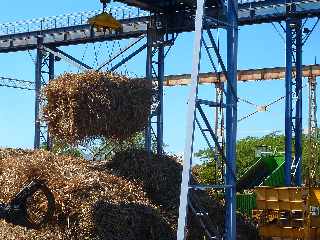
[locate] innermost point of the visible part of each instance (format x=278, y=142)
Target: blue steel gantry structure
x=159, y=22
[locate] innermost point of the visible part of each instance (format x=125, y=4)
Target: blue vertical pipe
x=231, y=119
x=298, y=117
x=38, y=67
x=148, y=140
x=160, y=96
x=288, y=105
x=51, y=77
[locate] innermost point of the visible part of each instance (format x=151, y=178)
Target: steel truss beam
x=263, y=74
x=293, y=85
x=227, y=181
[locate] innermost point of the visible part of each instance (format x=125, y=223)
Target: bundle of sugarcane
x=90, y=203
x=96, y=104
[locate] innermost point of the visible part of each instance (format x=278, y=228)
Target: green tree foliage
x=246, y=154
x=246, y=149
x=101, y=148
x=65, y=149
x=106, y=148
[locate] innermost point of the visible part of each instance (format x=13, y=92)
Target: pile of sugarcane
x=91, y=203
x=96, y=104
x=161, y=179
x=130, y=197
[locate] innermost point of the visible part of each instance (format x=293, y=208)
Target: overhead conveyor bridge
x=73, y=29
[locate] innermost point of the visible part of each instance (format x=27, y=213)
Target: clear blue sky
x=259, y=46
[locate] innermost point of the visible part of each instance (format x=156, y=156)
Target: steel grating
x=163, y=5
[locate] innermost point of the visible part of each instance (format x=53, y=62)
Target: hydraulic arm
x=25, y=211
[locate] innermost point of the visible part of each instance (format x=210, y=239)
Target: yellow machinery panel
x=315, y=196
x=286, y=212
x=270, y=231
x=281, y=198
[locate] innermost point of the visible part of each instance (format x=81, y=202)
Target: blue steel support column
x=231, y=119
x=51, y=66
x=298, y=118
x=147, y=143
x=160, y=96
x=288, y=105
x=51, y=77
x=38, y=67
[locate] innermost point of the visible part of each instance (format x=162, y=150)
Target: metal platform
x=166, y=5
x=276, y=10
x=71, y=35
x=72, y=29
x=69, y=29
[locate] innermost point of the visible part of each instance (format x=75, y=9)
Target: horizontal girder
x=263, y=74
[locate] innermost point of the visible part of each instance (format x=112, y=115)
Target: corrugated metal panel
x=246, y=203
x=276, y=178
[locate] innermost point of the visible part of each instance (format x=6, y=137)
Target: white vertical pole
x=188, y=151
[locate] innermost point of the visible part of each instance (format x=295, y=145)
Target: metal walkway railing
x=67, y=20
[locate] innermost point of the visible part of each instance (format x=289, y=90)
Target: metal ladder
x=203, y=24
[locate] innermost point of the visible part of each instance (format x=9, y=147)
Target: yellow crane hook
x=104, y=20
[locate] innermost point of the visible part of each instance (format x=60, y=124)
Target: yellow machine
x=288, y=212
x=294, y=212
x=104, y=20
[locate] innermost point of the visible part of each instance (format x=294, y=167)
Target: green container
x=274, y=165
x=257, y=173
x=246, y=203
x=276, y=178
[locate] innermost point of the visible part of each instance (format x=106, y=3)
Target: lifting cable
x=125, y=64
x=110, y=54
x=261, y=108
x=84, y=52
x=30, y=54
x=32, y=58
x=95, y=54
x=83, y=55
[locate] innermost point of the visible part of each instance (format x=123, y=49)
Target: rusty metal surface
x=263, y=74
